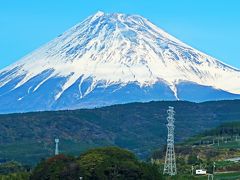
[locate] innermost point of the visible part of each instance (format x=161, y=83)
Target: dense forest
x=140, y=127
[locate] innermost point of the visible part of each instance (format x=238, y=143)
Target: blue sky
x=211, y=26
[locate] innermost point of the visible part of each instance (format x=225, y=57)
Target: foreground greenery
x=100, y=163
x=116, y=163
x=16, y=176
x=13, y=171
x=29, y=137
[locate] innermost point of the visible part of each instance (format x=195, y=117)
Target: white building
x=201, y=172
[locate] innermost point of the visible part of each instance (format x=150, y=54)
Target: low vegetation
x=13, y=171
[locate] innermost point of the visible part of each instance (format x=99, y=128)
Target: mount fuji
x=113, y=59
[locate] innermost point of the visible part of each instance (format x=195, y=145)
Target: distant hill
x=139, y=127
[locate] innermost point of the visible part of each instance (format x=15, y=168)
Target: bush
x=59, y=167
x=15, y=176
x=11, y=167
x=192, y=159
x=99, y=163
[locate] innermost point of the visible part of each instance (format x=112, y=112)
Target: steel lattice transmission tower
x=170, y=160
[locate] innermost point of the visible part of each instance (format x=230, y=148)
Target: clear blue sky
x=212, y=26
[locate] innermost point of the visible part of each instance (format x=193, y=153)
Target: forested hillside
x=139, y=127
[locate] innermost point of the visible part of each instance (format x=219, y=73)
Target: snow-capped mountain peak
x=116, y=50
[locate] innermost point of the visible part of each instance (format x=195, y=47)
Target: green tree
x=15, y=176
x=192, y=159
x=115, y=163
x=59, y=167
x=100, y=163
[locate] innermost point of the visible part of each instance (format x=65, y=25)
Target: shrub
x=100, y=163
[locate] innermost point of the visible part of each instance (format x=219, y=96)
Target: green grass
x=218, y=176
x=228, y=176
x=230, y=144
x=221, y=164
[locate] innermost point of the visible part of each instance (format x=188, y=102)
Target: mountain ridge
x=109, y=56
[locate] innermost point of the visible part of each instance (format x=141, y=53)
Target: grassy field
x=218, y=176
x=230, y=144
x=222, y=176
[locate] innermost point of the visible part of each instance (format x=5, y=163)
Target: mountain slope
x=109, y=59
x=140, y=127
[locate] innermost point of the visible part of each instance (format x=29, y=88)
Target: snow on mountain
x=113, y=58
